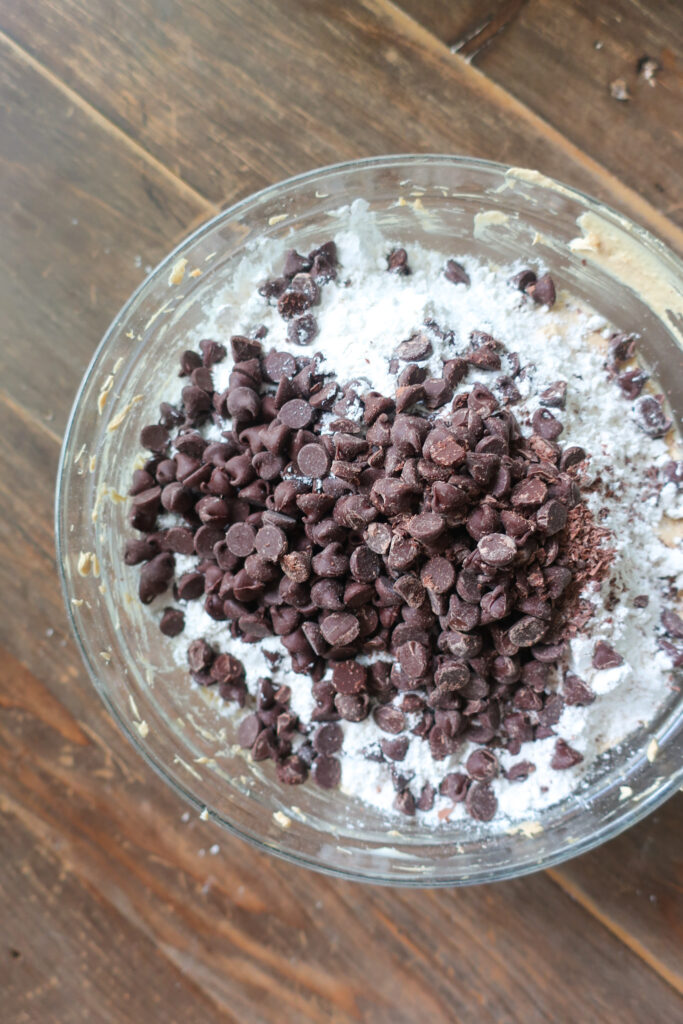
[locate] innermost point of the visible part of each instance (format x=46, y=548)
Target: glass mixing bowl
x=454, y=204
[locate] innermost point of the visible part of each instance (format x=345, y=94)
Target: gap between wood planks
x=630, y=941
x=406, y=25
x=649, y=215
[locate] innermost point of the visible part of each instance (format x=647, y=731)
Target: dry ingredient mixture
x=404, y=517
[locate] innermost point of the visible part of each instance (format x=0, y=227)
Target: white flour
x=362, y=318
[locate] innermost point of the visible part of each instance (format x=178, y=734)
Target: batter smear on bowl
x=406, y=517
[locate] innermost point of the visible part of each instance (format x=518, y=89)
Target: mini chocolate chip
x=527, y=631
x=497, y=549
x=292, y=771
x=313, y=461
x=632, y=382
x=523, y=279
x=172, y=622
x=564, y=756
x=426, y=798
x=576, y=692
x=154, y=437
x=340, y=629
x=438, y=575
x=454, y=786
x=605, y=656
x=248, y=730
x=240, y=539
x=327, y=771
x=482, y=765
x=426, y=527
x=155, y=576
x=199, y=656
x=672, y=623
x=328, y=739
x=389, y=718
x=542, y=291
x=352, y=708
x=519, y=771
x=555, y=395
x=415, y=349
x=271, y=543
x=296, y=414
x=481, y=801
x=302, y=330
x=397, y=262
x=279, y=364
x=404, y=801
x=190, y=586
x=622, y=347
x=395, y=749
x=650, y=416
x=349, y=677
x=571, y=457
x=545, y=424
x=455, y=273
x=364, y=564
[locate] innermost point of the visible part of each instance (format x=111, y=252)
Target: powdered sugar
x=362, y=318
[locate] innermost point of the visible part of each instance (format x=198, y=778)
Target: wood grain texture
x=116, y=905
x=77, y=232
x=265, y=940
x=559, y=60
x=231, y=116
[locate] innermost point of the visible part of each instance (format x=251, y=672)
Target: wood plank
x=466, y=26
x=634, y=885
x=560, y=58
x=251, y=930
x=69, y=956
x=85, y=213
x=266, y=940
x=231, y=116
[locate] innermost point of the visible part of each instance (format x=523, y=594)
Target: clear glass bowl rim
x=635, y=812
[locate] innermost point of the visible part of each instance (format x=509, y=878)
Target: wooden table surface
x=124, y=124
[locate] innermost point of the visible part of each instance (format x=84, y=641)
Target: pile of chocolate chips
x=429, y=528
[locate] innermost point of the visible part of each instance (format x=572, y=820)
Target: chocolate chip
x=353, y=708
x=672, y=623
x=455, y=273
x=328, y=739
x=395, y=749
x=527, y=631
x=248, y=730
x=426, y=798
x=415, y=349
x=199, y=656
x=389, y=718
x=622, y=347
x=172, y=622
x=349, y=677
x=576, y=692
x=605, y=656
x=632, y=382
x=519, y=771
x=481, y=801
x=240, y=539
x=555, y=395
x=497, y=549
x=154, y=437
x=454, y=786
x=327, y=771
x=564, y=756
x=155, y=576
x=545, y=424
x=313, y=461
x=292, y=771
x=404, y=801
x=397, y=262
x=542, y=291
x=426, y=527
x=438, y=575
x=482, y=765
x=571, y=456
x=650, y=416
x=340, y=629
x=279, y=364
x=414, y=659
